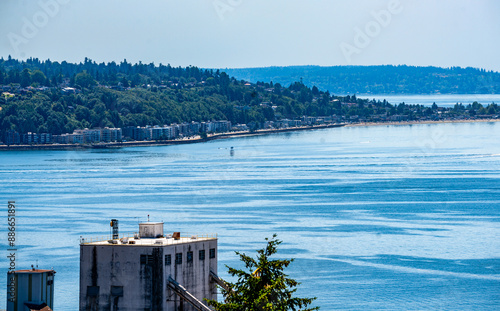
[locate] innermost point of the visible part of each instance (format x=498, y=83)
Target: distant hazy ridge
x=343, y=80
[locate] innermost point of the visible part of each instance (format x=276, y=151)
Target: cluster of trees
x=158, y=95
x=475, y=109
x=380, y=79
x=25, y=78
x=34, y=72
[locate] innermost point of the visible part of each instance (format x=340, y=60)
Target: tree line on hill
x=124, y=94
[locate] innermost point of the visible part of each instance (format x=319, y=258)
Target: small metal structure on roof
x=151, y=230
x=114, y=224
x=30, y=288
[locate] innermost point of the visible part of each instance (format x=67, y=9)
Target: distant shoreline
x=418, y=122
x=220, y=136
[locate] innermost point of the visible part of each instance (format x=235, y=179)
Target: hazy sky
x=253, y=33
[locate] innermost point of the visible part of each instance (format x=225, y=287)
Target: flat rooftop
x=32, y=271
x=131, y=241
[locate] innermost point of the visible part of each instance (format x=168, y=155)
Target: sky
x=255, y=33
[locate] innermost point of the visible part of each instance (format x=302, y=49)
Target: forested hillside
x=57, y=98
x=343, y=80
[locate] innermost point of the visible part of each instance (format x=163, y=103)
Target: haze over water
x=383, y=217
x=442, y=100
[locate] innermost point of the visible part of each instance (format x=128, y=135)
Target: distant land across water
x=442, y=100
x=387, y=79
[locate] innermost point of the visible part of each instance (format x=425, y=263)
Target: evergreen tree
x=264, y=287
x=125, y=82
x=25, y=78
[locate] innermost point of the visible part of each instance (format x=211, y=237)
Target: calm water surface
x=384, y=217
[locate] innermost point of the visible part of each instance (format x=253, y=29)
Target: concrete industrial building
x=149, y=271
x=31, y=289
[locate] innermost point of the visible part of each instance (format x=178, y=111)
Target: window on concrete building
x=168, y=260
x=92, y=291
x=146, y=259
x=212, y=253
x=189, y=257
x=202, y=254
x=178, y=258
x=117, y=291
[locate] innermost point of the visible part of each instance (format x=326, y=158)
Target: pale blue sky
x=252, y=33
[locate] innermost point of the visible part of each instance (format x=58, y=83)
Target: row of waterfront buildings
x=97, y=135
x=145, y=133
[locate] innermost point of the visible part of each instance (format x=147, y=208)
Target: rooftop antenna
x=114, y=225
x=37, y=263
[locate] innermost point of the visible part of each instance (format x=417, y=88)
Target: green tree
x=84, y=80
x=491, y=109
x=82, y=113
x=38, y=77
x=264, y=287
x=25, y=77
x=125, y=82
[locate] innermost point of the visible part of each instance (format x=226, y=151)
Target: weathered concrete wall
x=194, y=275
x=115, y=267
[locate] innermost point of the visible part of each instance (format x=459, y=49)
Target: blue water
x=386, y=217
